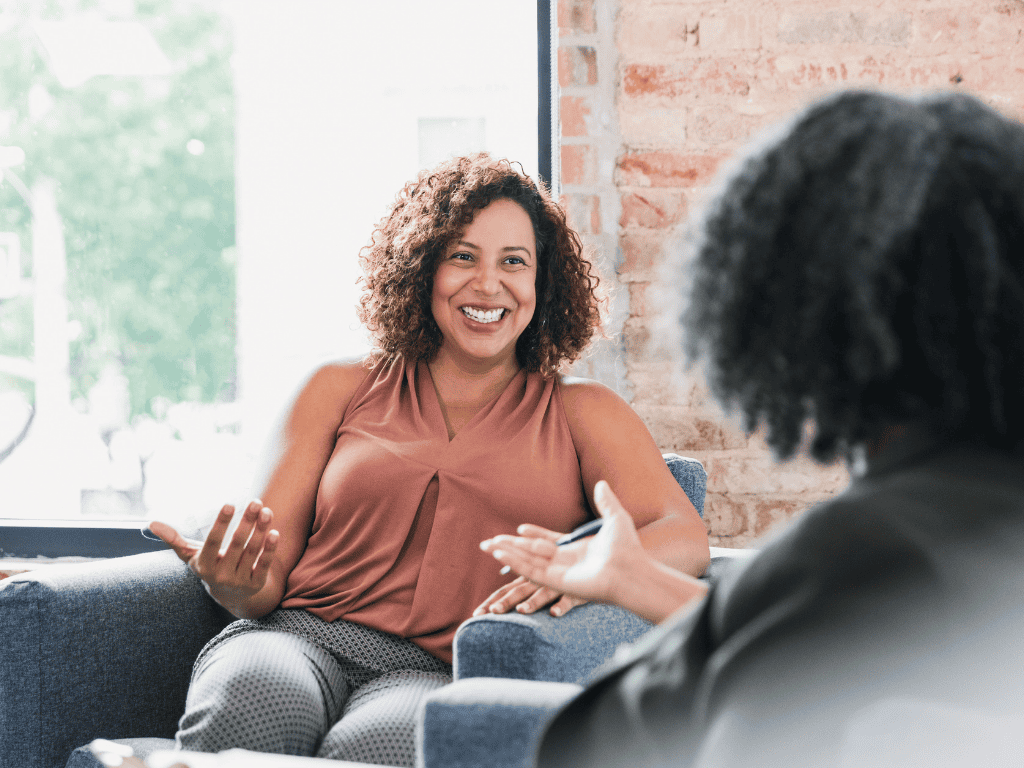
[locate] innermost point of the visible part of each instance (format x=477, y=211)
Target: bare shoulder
x=331, y=386
x=584, y=395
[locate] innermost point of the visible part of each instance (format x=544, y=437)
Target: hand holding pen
x=585, y=562
x=587, y=529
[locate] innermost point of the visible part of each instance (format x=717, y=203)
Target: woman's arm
x=611, y=567
x=249, y=576
x=613, y=444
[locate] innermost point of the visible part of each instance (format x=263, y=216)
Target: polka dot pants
x=291, y=683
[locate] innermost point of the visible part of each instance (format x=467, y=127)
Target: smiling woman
x=484, y=292
x=361, y=557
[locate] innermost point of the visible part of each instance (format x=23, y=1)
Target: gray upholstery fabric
x=105, y=650
x=506, y=715
x=539, y=646
x=691, y=476
x=97, y=650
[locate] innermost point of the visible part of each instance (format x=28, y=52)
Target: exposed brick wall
x=655, y=94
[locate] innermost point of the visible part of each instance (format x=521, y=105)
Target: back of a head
x=865, y=267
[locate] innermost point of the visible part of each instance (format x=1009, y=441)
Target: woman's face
x=485, y=291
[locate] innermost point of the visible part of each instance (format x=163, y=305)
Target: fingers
x=519, y=590
x=256, y=540
x=259, y=573
x=541, y=597
x=182, y=547
x=211, y=547
x=607, y=502
x=565, y=604
x=497, y=595
x=247, y=526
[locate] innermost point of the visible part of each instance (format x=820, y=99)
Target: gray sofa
x=105, y=650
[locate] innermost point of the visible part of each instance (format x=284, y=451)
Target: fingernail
x=601, y=491
x=505, y=570
x=264, y=515
x=521, y=529
x=484, y=544
x=556, y=611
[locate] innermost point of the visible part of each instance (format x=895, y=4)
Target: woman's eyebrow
x=466, y=244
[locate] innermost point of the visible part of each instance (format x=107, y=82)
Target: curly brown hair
x=432, y=212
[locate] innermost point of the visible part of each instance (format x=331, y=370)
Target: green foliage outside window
x=148, y=217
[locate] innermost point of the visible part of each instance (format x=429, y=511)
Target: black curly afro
x=864, y=269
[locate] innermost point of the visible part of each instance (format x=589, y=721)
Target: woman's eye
x=515, y=260
x=462, y=256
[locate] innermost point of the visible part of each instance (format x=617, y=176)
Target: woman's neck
x=460, y=383
x=463, y=390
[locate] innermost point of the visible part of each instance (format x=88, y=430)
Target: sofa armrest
x=539, y=646
x=97, y=650
x=487, y=723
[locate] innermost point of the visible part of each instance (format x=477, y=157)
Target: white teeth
x=481, y=316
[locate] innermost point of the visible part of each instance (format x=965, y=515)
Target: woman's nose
x=487, y=281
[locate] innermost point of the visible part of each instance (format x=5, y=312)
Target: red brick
x=769, y=514
x=990, y=75
x=844, y=27
x=576, y=16
x=759, y=474
x=735, y=32
x=898, y=71
x=579, y=164
x=573, y=112
x=940, y=31
x=725, y=516
x=652, y=208
x=641, y=252
x=685, y=430
x=583, y=213
x=646, y=125
x=721, y=124
x=577, y=65
x=666, y=169
x=702, y=77
x=664, y=382
x=635, y=338
x=657, y=32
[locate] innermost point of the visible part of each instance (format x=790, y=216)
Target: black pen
x=587, y=529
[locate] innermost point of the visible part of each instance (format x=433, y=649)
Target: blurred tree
x=145, y=174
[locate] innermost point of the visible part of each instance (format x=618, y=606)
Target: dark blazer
x=891, y=615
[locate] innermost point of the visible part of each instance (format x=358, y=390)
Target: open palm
x=587, y=568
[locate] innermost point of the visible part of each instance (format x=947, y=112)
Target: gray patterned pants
x=291, y=683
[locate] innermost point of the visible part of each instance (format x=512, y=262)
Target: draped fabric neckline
x=438, y=406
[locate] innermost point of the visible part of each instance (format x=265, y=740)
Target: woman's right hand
x=235, y=574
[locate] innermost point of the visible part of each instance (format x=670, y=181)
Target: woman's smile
x=484, y=293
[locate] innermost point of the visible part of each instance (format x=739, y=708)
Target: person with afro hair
x=855, y=287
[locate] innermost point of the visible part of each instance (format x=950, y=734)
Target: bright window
x=187, y=186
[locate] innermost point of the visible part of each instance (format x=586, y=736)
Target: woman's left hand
x=525, y=596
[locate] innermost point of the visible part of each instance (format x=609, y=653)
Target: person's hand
x=239, y=571
x=588, y=568
x=524, y=595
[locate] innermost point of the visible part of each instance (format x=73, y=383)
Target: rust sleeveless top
x=401, y=509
